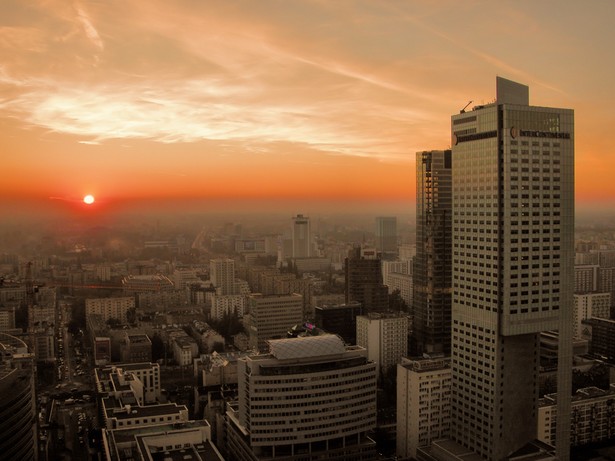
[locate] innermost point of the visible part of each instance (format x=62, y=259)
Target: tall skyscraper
x=302, y=237
x=513, y=268
x=386, y=235
x=432, y=264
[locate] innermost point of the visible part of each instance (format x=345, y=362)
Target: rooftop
x=306, y=346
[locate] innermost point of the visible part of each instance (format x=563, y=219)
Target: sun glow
x=88, y=199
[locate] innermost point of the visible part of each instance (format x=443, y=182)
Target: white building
x=512, y=269
x=592, y=416
x=385, y=336
x=109, y=308
x=184, y=277
x=311, y=397
x=587, y=306
x=148, y=374
x=423, y=403
x=222, y=305
x=403, y=283
x=222, y=275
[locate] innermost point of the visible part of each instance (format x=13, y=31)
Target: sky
x=194, y=101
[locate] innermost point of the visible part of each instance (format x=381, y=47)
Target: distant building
x=301, y=237
x=402, y=283
x=147, y=283
x=386, y=236
x=110, y=308
x=310, y=398
x=601, y=337
x=270, y=317
x=385, y=336
x=364, y=280
x=7, y=318
x=587, y=306
x=423, y=403
x=222, y=275
x=222, y=305
x=586, y=278
x=147, y=374
x=136, y=348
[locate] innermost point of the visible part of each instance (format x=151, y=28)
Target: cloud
x=88, y=27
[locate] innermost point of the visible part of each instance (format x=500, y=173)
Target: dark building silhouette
x=364, y=280
x=432, y=264
x=340, y=319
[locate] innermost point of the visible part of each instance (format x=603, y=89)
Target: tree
x=114, y=323
x=131, y=315
x=158, y=348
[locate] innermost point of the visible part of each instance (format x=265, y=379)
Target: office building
x=586, y=278
x=431, y=275
x=145, y=378
x=17, y=403
x=340, y=319
x=423, y=403
x=110, y=308
x=301, y=237
x=309, y=398
x=271, y=317
x=587, y=306
x=386, y=236
x=222, y=275
x=592, y=416
x=513, y=268
x=385, y=336
x=601, y=334
x=136, y=348
x=364, y=280
x=222, y=305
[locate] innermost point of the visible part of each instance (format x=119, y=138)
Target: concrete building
x=431, y=275
x=222, y=305
x=592, y=416
x=587, y=306
x=182, y=278
x=404, y=283
x=222, y=275
x=601, y=334
x=394, y=267
x=423, y=403
x=136, y=348
x=17, y=404
x=302, y=237
x=586, y=278
x=385, y=336
x=310, y=398
x=133, y=284
x=7, y=318
x=271, y=317
x=513, y=268
x=109, y=308
x=148, y=375
x=386, y=236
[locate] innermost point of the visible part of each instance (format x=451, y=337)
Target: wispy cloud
x=88, y=27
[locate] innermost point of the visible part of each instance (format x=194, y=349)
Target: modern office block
x=513, y=268
x=432, y=264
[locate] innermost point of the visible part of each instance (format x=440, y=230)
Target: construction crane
x=462, y=111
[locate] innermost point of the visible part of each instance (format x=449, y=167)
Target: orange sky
x=295, y=100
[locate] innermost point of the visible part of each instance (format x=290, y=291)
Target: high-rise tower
x=302, y=237
x=432, y=264
x=386, y=236
x=513, y=263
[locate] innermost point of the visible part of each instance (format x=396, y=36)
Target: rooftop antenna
x=462, y=111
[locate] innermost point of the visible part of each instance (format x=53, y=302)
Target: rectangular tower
x=513, y=267
x=302, y=238
x=432, y=264
x=386, y=235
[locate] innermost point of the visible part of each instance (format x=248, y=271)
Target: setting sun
x=88, y=199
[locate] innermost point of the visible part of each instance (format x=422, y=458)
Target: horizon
x=306, y=103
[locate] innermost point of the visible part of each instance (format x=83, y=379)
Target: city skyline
x=293, y=103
